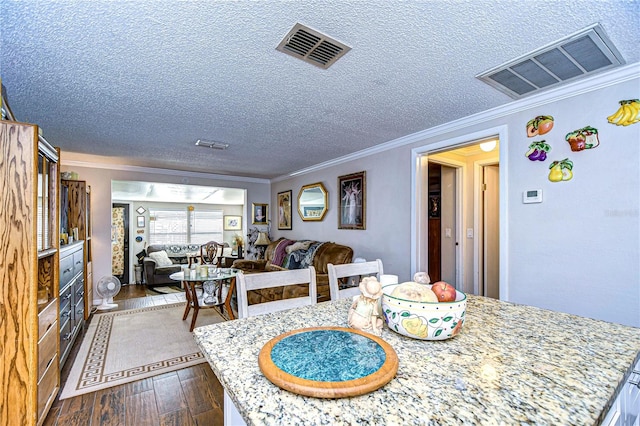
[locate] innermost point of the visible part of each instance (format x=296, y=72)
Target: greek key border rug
x=125, y=346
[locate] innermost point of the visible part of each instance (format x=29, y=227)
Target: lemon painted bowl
x=423, y=320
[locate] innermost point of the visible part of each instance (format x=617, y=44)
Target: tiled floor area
x=192, y=396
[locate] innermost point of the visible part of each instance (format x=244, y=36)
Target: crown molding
x=590, y=84
x=168, y=172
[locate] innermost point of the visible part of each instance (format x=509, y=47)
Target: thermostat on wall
x=532, y=196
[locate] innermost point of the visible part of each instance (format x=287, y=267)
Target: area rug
x=125, y=346
x=154, y=291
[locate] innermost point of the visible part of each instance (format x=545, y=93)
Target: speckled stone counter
x=511, y=364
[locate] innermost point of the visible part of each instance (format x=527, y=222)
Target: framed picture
x=284, y=210
x=232, y=223
x=259, y=213
x=352, y=199
x=140, y=221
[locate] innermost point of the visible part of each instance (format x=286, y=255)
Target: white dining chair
x=348, y=270
x=248, y=282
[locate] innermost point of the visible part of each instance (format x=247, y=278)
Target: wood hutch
x=76, y=214
x=29, y=328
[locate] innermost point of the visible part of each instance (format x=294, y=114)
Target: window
x=181, y=226
x=206, y=226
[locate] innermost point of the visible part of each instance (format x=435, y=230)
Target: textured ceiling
x=141, y=81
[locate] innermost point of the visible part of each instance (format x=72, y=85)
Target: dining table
x=211, y=293
x=510, y=364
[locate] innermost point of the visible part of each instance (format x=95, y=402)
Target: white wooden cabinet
x=626, y=408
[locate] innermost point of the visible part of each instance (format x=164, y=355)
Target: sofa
x=156, y=271
x=283, y=254
x=158, y=267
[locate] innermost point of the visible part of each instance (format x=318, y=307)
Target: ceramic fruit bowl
x=423, y=320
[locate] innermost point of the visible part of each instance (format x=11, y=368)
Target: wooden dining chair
x=248, y=282
x=210, y=253
x=348, y=270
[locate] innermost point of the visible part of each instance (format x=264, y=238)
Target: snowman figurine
x=364, y=314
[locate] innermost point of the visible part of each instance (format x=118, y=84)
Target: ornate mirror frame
x=313, y=202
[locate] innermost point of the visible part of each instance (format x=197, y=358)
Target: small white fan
x=108, y=286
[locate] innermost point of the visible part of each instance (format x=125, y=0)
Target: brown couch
x=285, y=254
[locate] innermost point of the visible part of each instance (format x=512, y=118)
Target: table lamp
x=261, y=243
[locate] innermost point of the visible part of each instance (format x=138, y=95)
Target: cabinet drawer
x=47, y=317
x=78, y=311
x=65, y=338
x=48, y=386
x=65, y=300
x=47, y=348
x=66, y=270
x=78, y=288
x=78, y=261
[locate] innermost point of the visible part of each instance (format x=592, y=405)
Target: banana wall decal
x=628, y=113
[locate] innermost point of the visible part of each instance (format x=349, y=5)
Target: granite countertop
x=510, y=364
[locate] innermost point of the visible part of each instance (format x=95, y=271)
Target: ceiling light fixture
x=488, y=146
x=212, y=144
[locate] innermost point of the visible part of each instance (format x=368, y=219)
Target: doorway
x=120, y=242
x=443, y=219
x=476, y=231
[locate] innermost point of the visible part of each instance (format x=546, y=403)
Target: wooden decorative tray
x=328, y=362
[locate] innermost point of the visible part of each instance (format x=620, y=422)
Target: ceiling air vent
x=212, y=144
x=312, y=46
x=584, y=53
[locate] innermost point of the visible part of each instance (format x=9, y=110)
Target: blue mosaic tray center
x=328, y=355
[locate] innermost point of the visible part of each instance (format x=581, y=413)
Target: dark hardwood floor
x=191, y=396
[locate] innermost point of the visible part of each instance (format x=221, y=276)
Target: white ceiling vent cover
x=587, y=52
x=212, y=144
x=312, y=46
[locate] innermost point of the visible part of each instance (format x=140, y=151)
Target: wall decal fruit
x=561, y=170
x=539, y=126
x=585, y=138
x=628, y=113
x=538, y=151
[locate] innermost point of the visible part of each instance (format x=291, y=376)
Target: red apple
x=444, y=291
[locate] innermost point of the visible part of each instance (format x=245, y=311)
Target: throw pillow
x=300, y=245
x=161, y=258
x=141, y=255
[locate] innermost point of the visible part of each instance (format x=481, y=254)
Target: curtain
x=117, y=245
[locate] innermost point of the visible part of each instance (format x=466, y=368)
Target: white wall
x=577, y=252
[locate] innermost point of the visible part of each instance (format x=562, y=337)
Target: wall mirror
x=313, y=202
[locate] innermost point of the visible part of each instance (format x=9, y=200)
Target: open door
x=443, y=213
x=491, y=231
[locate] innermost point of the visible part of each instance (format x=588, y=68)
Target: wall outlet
x=470, y=233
